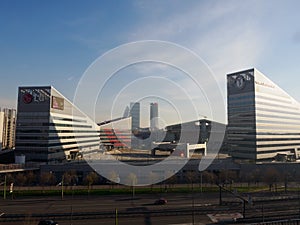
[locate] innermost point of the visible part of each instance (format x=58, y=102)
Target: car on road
x=160, y=201
x=47, y=222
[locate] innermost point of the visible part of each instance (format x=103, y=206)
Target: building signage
x=264, y=84
x=57, y=103
x=33, y=95
x=27, y=98
x=240, y=82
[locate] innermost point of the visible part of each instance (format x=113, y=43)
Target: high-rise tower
x=154, y=116
x=135, y=123
x=135, y=115
x=7, y=128
x=263, y=120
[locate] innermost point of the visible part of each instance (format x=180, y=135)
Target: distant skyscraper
x=135, y=123
x=135, y=115
x=154, y=116
x=7, y=128
x=1, y=129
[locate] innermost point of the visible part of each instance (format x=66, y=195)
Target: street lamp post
x=201, y=189
x=4, y=188
x=62, y=187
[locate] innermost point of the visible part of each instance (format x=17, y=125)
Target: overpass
x=14, y=168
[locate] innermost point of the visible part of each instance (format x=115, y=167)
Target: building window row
x=262, y=109
x=53, y=138
x=68, y=119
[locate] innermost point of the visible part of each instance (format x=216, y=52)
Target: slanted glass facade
x=50, y=128
x=263, y=120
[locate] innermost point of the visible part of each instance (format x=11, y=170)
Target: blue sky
x=54, y=42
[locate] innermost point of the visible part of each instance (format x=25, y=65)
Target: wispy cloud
x=224, y=35
x=227, y=37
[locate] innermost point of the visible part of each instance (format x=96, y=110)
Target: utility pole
x=220, y=195
x=4, y=188
x=116, y=216
x=237, y=196
x=62, y=187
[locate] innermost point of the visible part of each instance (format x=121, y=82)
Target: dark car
x=161, y=201
x=47, y=222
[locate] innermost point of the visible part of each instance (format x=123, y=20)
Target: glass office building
x=154, y=116
x=263, y=120
x=50, y=128
x=135, y=123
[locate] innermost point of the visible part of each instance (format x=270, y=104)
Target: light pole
x=4, y=188
x=201, y=189
x=62, y=187
x=116, y=216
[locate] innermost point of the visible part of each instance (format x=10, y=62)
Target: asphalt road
x=141, y=210
x=125, y=205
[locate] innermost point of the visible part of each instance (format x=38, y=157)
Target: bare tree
x=70, y=177
x=132, y=179
x=47, y=179
x=20, y=179
x=257, y=176
x=152, y=179
x=10, y=178
x=114, y=178
x=271, y=178
x=192, y=177
x=90, y=179
x=172, y=179
x=31, y=178
x=208, y=177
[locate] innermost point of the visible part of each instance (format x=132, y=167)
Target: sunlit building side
x=135, y=123
x=7, y=128
x=154, y=116
x=263, y=120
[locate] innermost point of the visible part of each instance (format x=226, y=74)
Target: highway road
x=101, y=209
x=141, y=210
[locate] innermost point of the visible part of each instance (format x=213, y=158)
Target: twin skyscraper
x=135, y=113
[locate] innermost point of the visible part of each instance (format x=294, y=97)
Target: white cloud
x=227, y=35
